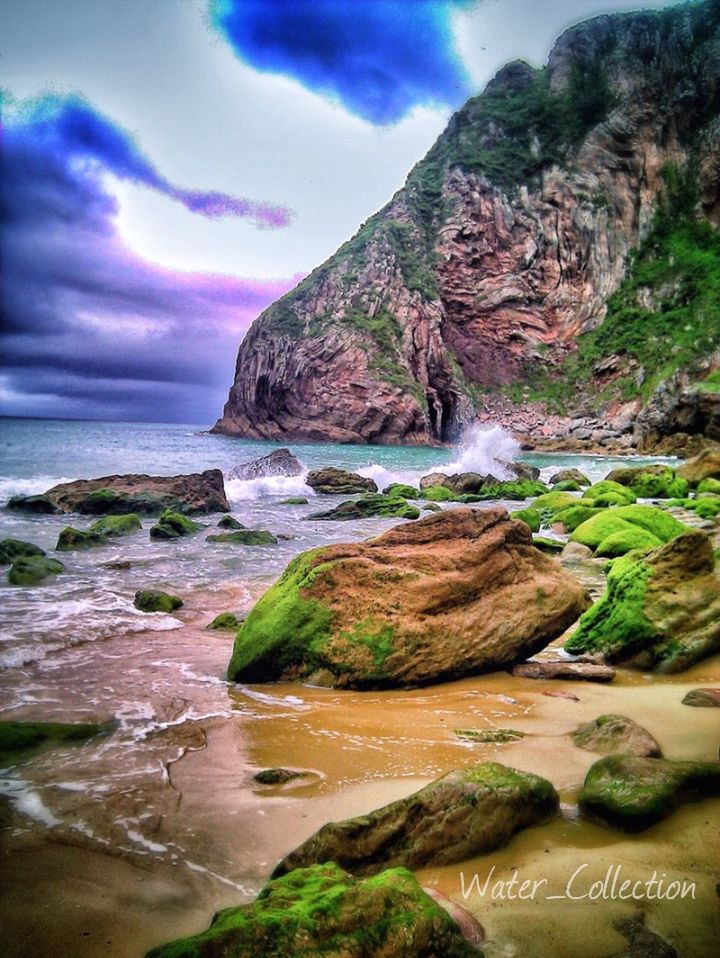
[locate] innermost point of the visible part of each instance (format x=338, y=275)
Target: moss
x=228, y=522
x=401, y=490
x=491, y=735
x=173, y=525
x=245, y=537
x=379, y=637
x=530, y=516
x=153, y=600
x=36, y=505
x=438, y=494
x=607, y=486
x=31, y=570
x=573, y=516
x=71, y=539
x=19, y=737
x=626, y=540
x=226, y=620
x=111, y=502
x=545, y=544
x=566, y=485
x=116, y=526
x=12, y=549
x=284, y=627
x=655, y=521
x=514, y=489
x=709, y=485
x=665, y=486
x=607, y=499
x=370, y=506
x=553, y=502
x=294, y=501
x=706, y=508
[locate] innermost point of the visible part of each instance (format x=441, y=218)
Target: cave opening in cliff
x=442, y=408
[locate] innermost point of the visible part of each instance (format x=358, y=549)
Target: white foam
x=240, y=490
x=27, y=487
x=479, y=449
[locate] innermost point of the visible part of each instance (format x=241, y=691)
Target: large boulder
x=71, y=539
x=324, y=911
x=153, y=600
x=613, y=532
x=632, y=793
x=146, y=495
x=463, y=814
x=704, y=466
x=660, y=612
x=651, y=482
x=279, y=462
x=12, y=549
x=570, y=475
x=31, y=570
x=457, y=593
x=615, y=734
x=339, y=482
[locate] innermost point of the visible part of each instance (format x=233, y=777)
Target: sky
x=168, y=168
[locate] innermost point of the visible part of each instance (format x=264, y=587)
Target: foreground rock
x=153, y=600
x=703, y=698
x=31, y=570
x=279, y=462
x=454, y=594
x=633, y=793
x=12, y=549
x=562, y=669
x=339, y=482
x=461, y=815
x=324, y=911
x=373, y=505
x=146, y=495
x=615, y=734
x=660, y=612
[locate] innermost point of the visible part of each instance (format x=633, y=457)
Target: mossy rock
x=709, y=485
x=31, y=570
x=623, y=519
x=651, y=482
x=632, y=793
x=322, y=910
x=19, y=737
x=431, y=507
x=573, y=516
x=245, y=537
x=626, y=540
x=551, y=546
x=375, y=505
x=153, y=600
x=614, y=735
x=706, y=508
x=706, y=465
x=494, y=736
x=114, y=527
x=607, y=488
x=551, y=503
x=401, y=490
x=173, y=525
x=12, y=549
x=530, y=516
x=278, y=776
x=660, y=611
x=228, y=522
x=38, y=505
x=606, y=500
x=513, y=490
x=294, y=501
x=226, y=620
x=438, y=494
x=71, y=539
x=570, y=475
x=566, y=485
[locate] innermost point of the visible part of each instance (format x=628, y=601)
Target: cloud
x=90, y=328
x=379, y=58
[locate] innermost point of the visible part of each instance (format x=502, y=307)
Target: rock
x=71, y=539
x=278, y=776
x=431, y=507
x=642, y=943
x=114, y=527
x=606, y=493
x=279, y=462
x=35, y=505
x=368, y=506
x=245, y=537
x=560, y=694
x=530, y=516
x=709, y=485
x=704, y=466
x=630, y=527
x=323, y=910
x=471, y=929
x=229, y=522
x=401, y=490
x=521, y=470
x=572, y=475
x=433, y=479
x=495, y=736
x=616, y=734
x=703, y=698
x=551, y=546
x=632, y=793
x=30, y=570
x=459, y=816
x=567, y=485
x=564, y=669
x=226, y=620
x=173, y=525
x=514, y=489
x=294, y=501
x=660, y=612
x=576, y=552
x=438, y=494
x=153, y=600
x=552, y=502
x=145, y=495
x=651, y=482
x=339, y=482
x=121, y=565
x=12, y=549
x=569, y=518
x=20, y=737
x=453, y=594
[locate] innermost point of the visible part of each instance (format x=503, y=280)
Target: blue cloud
x=379, y=58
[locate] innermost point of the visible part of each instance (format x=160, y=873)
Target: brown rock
x=613, y=734
x=562, y=669
x=703, y=698
x=642, y=943
x=704, y=466
x=559, y=694
x=339, y=482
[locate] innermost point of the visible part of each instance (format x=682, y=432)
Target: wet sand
x=138, y=838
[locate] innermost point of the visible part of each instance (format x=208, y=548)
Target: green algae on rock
x=553, y=502
x=12, y=549
x=294, y=501
x=462, y=814
x=245, y=537
x=322, y=910
x=632, y=793
x=570, y=517
x=616, y=734
x=651, y=482
x=530, y=516
x=71, y=539
x=611, y=493
x=19, y=737
x=339, y=482
x=709, y=485
x=625, y=519
x=495, y=736
x=278, y=776
x=660, y=612
x=116, y=526
x=31, y=570
x=566, y=485
x=371, y=505
x=570, y=475
x=226, y=620
x=456, y=593
x=403, y=490
x=551, y=546
x=173, y=525
x=229, y=522
x=153, y=600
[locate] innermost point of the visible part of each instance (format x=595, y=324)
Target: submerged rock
x=226, y=620
x=277, y=776
x=563, y=669
x=494, y=736
x=18, y=737
x=615, y=734
x=173, y=525
x=228, y=522
x=633, y=793
x=153, y=600
x=145, y=495
x=31, y=570
x=339, y=482
x=703, y=698
x=71, y=539
x=245, y=537
x=651, y=482
x=294, y=501
x=372, y=505
x=114, y=527
x=642, y=943
x=660, y=612
x=279, y=462
x=461, y=815
x=12, y=549
x=456, y=593
x=322, y=910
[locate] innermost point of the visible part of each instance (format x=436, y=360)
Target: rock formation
x=491, y=270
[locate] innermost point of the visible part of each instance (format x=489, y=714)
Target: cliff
x=528, y=265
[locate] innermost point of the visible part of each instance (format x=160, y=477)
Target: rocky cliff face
x=502, y=250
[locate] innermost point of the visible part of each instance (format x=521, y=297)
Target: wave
x=12, y=486
x=240, y=490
